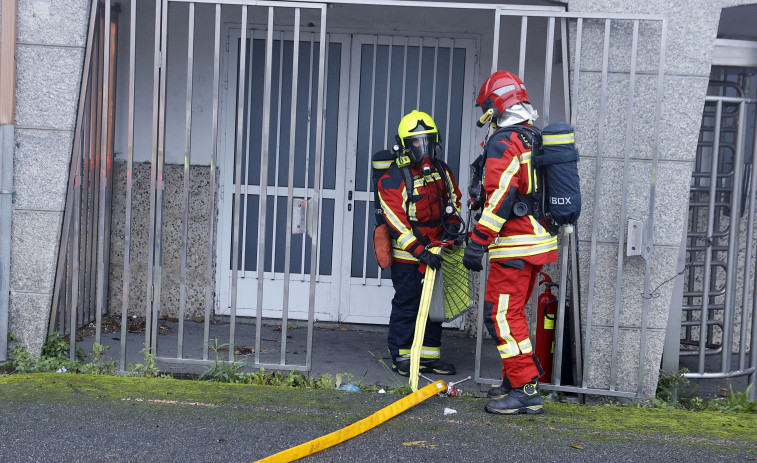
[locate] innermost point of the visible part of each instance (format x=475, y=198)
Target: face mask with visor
x=419, y=146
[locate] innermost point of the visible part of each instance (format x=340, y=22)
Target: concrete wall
x=51, y=41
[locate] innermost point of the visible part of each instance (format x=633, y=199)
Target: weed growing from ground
x=148, y=369
x=55, y=358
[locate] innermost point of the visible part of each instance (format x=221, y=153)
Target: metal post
x=187, y=163
x=290, y=179
x=129, y=178
x=100, y=289
x=238, y=189
x=6, y=208
x=320, y=117
x=212, y=188
x=596, y=211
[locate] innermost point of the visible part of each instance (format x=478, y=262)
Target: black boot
x=523, y=399
x=401, y=365
x=436, y=366
x=498, y=392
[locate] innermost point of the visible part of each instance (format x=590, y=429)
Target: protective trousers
x=408, y=285
x=507, y=290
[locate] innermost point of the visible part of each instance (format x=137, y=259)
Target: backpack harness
x=383, y=160
x=556, y=196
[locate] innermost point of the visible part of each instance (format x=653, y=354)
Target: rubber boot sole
x=529, y=410
x=423, y=369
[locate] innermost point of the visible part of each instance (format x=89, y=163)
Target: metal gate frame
x=313, y=209
x=568, y=237
x=569, y=241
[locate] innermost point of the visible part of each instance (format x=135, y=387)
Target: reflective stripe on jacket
x=425, y=211
x=508, y=170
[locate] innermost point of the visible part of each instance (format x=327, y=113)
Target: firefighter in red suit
x=415, y=220
x=518, y=244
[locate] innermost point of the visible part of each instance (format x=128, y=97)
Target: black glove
x=474, y=252
x=430, y=259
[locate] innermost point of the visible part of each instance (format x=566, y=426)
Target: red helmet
x=500, y=91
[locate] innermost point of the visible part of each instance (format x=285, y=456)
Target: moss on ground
x=602, y=422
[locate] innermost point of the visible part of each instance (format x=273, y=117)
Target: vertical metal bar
x=576, y=306
x=748, y=260
x=238, y=187
x=433, y=81
x=597, y=188
x=262, y=212
x=129, y=185
x=307, y=147
x=523, y=42
x=368, y=164
x=624, y=205
x=245, y=199
x=275, y=221
x=290, y=180
x=482, y=277
x=323, y=147
x=213, y=162
x=650, y=219
x=449, y=98
x=753, y=348
x=560, y=331
x=113, y=44
x=548, y=67
x=320, y=116
x=576, y=71
x=158, y=272
x=84, y=190
x=153, y=181
x=733, y=244
x=187, y=164
x=709, y=239
x=495, y=41
x=386, y=137
x=75, y=300
x=90, y=273
x=420, y=68
x=565, y=70
x=404, y=79
x=100, y=306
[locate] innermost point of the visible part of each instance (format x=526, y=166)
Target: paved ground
x=80, y=418
x=358, y=350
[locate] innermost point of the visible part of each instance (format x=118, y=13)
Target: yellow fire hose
x=420, y=322
x=337, y=437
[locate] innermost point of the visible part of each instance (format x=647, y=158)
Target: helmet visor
x=420, y=146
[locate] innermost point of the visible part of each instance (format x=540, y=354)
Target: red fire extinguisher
x=545, y=327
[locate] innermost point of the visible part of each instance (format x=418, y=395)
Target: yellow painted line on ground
x=337, y=437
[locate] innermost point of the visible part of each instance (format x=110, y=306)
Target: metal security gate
x=275, y=99
x=81, y=284
x=717, y=324
x=599, y=321
x=84, y=255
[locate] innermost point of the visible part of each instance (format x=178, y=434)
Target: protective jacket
x=508, y=175
x=415, y=220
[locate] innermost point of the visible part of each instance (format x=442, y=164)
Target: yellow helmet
x=419, y=136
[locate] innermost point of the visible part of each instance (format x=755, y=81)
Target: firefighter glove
x=430, y=259
x=474, y=253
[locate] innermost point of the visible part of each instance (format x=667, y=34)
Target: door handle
x=349, y=198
